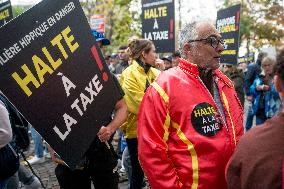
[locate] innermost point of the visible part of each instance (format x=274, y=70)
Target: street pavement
x=46, y=173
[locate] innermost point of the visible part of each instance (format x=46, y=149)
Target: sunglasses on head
x=212, y=40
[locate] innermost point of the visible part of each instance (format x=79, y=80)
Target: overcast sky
x=190, y=9
x=201, y=10
x=205, y=8
x=24, y=2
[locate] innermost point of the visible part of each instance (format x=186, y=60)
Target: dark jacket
x=121, y=66
x=238, y=79
x=253, y=71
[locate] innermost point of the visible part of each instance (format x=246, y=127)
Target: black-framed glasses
x=212, y=40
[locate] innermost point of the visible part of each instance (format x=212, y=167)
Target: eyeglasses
x=212, y=40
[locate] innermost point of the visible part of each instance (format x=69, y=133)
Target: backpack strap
x=4, y=100
x=18, y=124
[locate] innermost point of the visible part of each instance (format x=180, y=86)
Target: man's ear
x=278, y=84
x=186, y=47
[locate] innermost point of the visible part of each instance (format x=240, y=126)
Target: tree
x=17, y=10
x=262, y=22
x=120, y=22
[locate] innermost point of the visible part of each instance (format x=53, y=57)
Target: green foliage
x=120, y=23
x=17, y=10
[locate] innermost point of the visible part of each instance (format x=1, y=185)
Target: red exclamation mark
x=99, y=62
x=237, y=20
x=171, y=29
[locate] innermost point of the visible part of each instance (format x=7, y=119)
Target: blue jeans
x=13, y=181
x=260, y=118
x=123, y=144
x=3, y=183
x=23, y=175
x=118, y=150
x=249, y=117
x=38, y=143
x=137, y=175
x=127, y=164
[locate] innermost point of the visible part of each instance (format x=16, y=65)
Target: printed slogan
x=228, y=24
x=158, y=21
x=55, y=75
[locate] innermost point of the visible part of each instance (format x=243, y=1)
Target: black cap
x=168, y=58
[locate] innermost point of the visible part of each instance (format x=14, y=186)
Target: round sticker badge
x=205, y=121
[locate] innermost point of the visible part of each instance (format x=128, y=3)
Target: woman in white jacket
x=5, y=132
x=5, y=126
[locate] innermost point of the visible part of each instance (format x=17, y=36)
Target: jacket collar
x=188, y=67
x=146, y=67
x=137, y=66
x=140, y=68
x=192, y=69
x=223, y=78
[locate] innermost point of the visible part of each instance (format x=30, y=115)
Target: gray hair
x=269, y=60
x=189, y=32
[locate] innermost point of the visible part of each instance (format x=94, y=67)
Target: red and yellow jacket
x=183, y=140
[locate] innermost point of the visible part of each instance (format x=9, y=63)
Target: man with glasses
x=190, y=119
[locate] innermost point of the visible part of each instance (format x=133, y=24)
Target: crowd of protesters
x=180, y=121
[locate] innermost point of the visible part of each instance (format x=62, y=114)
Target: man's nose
x=220, y=48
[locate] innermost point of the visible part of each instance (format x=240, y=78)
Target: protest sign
x=97, y=23
x=54, y=73
x=248, y=58
x=228, y=24
x=5, y=12
x=158, y=24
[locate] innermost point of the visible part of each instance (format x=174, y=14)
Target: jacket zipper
x=214, y=103
x=197, y=77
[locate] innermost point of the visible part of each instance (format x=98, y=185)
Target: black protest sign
x=248, y=58
x=158, y=24
x=5, y=12
x=53, y=72
x=242, y=60
x=228, y=24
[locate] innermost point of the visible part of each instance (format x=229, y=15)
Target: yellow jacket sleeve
x=133, y=94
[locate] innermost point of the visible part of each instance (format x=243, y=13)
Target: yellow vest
x=133, y=83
